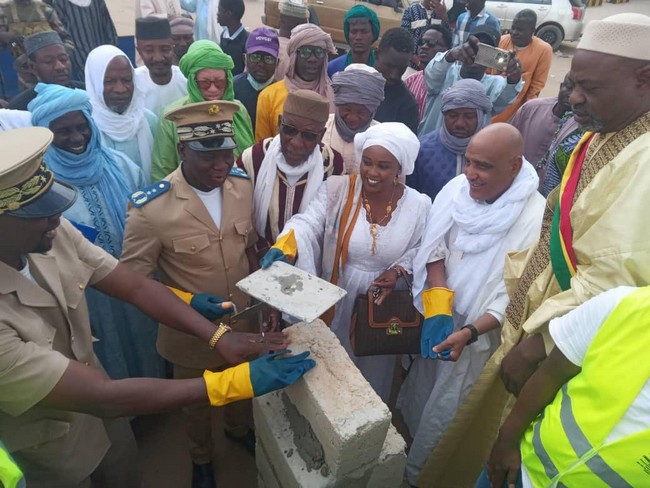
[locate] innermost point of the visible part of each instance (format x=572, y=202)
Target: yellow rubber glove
x=212, y=307
x=186, y=296
x=258, y=377
x=230, y=385
x=438, y=323
x=285, y=249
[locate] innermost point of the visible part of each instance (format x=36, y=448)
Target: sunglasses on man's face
x=305, y=52
x=291, y=131
x=257, y=58
x=431, y=44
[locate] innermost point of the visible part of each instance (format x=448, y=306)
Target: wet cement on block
x=307, y=445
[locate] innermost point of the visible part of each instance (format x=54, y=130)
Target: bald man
x=597, y=238
x=491, y=210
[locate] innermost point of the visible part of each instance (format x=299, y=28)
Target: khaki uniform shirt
x=175, y=234
x=44, y=324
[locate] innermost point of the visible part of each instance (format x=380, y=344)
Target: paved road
x=123, y=13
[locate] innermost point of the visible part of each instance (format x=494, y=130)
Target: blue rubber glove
x=271, y=372
x=272, y=255
x=438, y=323
x=210, y=306
x=285, y=249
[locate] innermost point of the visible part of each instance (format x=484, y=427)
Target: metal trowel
x=292, y=291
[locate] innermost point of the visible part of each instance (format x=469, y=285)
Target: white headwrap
x=266, y=180
x=132, y=124
x=481, y=227
x=14, y=119
x=396, y=138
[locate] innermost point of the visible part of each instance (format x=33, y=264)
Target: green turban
x=361, y=12
x=205, y=54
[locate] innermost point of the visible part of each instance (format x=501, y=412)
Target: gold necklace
x=373, y=225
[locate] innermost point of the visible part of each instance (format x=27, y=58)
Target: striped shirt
x=89, y=27
x=418, y=88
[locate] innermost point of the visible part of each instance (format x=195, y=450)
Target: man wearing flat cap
x=54, y=390
x=288, y=169
x=22, y=18
x=199, y=236
x=48, y=58
x=594, y=237
x=182, y=29
x=159, y=80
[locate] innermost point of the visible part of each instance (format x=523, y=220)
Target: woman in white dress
x=377, y=224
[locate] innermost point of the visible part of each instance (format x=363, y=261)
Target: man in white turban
x=118, y=106
x=475, y=221
x=594, y=237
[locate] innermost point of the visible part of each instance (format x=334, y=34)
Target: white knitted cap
x=625, y=35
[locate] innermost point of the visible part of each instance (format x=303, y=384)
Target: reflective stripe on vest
x=566, y=445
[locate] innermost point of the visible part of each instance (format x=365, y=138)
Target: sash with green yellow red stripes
x=563, y=257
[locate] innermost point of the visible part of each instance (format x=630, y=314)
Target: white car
x=557, y=20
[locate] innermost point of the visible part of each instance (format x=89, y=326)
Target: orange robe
x=535, y=62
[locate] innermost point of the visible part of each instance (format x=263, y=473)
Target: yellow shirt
x=270, y=104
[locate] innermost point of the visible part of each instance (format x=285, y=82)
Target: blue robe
x=127, y=338
x=435, y=166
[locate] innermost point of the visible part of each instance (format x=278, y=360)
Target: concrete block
x=346, y=415
x=280, y=463
x=265, y=474
x=389, y=470
x=280, y=458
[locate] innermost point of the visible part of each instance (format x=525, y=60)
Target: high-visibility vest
x=565, y=447
x=10, y=474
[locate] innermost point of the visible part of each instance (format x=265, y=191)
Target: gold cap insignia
x=214, y=109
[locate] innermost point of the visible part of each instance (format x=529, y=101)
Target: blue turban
x=97, y=165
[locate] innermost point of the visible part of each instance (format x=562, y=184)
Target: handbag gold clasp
x=394, y=329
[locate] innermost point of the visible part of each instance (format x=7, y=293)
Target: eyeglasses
x=305, y=52
x=429, y=43
x=206, y=84
x=291, y=131
x=257, y=58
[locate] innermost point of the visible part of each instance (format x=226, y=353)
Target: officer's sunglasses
x=307, y=51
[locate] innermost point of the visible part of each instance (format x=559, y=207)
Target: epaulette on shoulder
x=239, y=173
x=141, y=197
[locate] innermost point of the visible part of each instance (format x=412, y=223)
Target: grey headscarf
x=465, y=93
x=357, y=84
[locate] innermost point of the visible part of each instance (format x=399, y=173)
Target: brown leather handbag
x=394, y=327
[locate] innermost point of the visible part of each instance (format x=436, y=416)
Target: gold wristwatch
x=218, y=334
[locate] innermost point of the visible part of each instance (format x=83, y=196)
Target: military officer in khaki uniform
x=197, y=231
x=52, y=388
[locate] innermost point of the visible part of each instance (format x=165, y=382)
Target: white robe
x=434, y=390
x=397, y=243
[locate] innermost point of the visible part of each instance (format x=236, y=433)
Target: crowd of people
x=135, y=192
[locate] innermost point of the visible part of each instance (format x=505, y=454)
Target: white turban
x=396, y=138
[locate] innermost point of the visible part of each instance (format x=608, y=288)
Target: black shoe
x=247, y=440
x=203, y=476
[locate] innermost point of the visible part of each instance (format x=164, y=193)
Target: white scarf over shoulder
x=267, y=179
x=132, y=124
x=481, y=228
